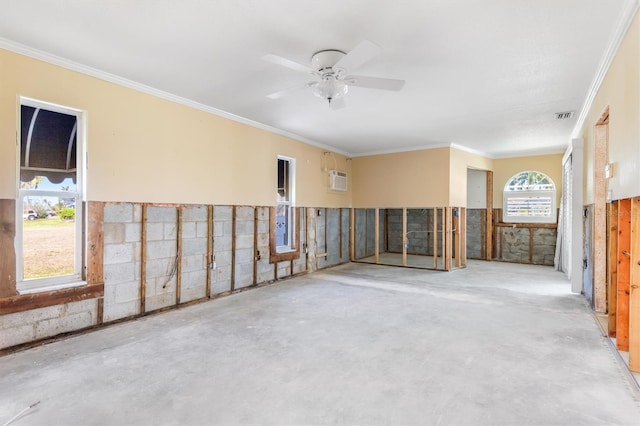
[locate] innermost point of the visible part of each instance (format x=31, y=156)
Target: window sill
x=41, y=298
x=51, y=287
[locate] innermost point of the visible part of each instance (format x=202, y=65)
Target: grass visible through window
x=48, y=246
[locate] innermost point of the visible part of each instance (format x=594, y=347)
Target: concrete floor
x=494, y=343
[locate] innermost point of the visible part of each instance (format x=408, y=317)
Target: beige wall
x=505, y=168
x=146, y=149
x=405, y=179
x=460, y=162
x=620, y=91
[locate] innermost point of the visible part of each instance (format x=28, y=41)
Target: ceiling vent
x=564, y=115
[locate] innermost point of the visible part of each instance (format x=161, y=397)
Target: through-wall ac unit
x=337, y=180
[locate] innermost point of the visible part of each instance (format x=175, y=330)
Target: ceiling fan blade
x=285, y=92
x=374, y=82
x=279, y=60
x=360, y=54
x=337, y=104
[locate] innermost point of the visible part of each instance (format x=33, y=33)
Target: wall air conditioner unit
x=337, y=180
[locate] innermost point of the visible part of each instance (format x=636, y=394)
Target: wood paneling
x=634, y=293
x=624, y=271
x=95, y=242
x=612, y=266
x=25, y=302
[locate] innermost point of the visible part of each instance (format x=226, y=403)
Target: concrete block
x=118, y=253
x=263, y=241
x=137, y=213
x=189, y=294
x=114, y=311
x=218, y=229
x=194, y=246
x=194, y=213
x=120, y=272
x=265, y=267
x=263, y=214
x=223, y=258
x=118, y=213
x=188, y=230
x=244, y=213
x=263, y=227
x=161, y=249
x=222, y=244
x=264, y=277
x=194, y=262
x=160, y=267
x=223, y=273
x=160, y=301
x=165, y=285
x=244, y=227
x=202, y=229
x=126, y=292
x=244, y=256
x=220, y=286
x=114, y=233
x=170, y=231
x=162, y=214
x=222, y=213
x=244, y=242
x=194, y=279
x=133, y=232
x=54, y=326
x=155, y=231
x=16, y=335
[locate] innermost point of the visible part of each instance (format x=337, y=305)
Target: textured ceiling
x=485, y=75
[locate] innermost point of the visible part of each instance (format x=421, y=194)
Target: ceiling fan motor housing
x=326, y=59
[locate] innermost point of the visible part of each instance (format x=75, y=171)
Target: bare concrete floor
x=494, y=343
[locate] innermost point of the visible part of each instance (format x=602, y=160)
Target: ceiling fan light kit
x=331, y=67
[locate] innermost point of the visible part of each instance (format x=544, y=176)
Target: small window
x=285, y=211
x=49, y=208
x=529, y=197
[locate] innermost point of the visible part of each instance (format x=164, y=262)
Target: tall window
x=529, y=197
x=285, y=205
x=49, y=207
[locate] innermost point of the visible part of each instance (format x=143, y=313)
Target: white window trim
x=61, y=281
x=290, y=203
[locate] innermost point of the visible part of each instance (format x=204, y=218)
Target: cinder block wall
x=174, y=243
x=474, y=233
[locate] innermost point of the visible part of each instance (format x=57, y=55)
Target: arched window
x=528, y=197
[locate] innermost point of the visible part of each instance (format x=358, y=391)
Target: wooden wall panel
x=624, y=270
x=634, y=290
x=612, y=266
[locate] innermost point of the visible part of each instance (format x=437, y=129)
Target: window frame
x=288, y=203
x=507, y=194
x=78, y=277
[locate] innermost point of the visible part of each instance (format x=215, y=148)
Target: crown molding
x=121, y=81
x=624, y=22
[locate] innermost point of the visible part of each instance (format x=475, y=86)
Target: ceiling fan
x=331, y=69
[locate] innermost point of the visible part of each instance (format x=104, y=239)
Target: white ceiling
x=487, y=75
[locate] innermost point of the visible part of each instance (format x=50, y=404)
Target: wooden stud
x=210, y=255
x=366, y=232
x=456, y=236
x=7, y=248
x=255, y=245
x=233, y=248
x=634, y=293
x=306, y=238
x=143, y=260
x=26, y=302
x=404, y=236
x=435, y=237
x=179, y=256
x=100, y=311
x=377, y=236
x=599, y=219
x=340, y=234
x=326, y=232
x=95, y=242
x=463, y=237
x=624, y=273
x=489, y=233
x=386, y=230
x=352, y=235
x=612, y=266
x=448, y=239
x=483, y=234
x=530, y=245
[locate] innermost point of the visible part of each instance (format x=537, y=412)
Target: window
x=49, y=208
x=529, y=197
x=285, y=224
